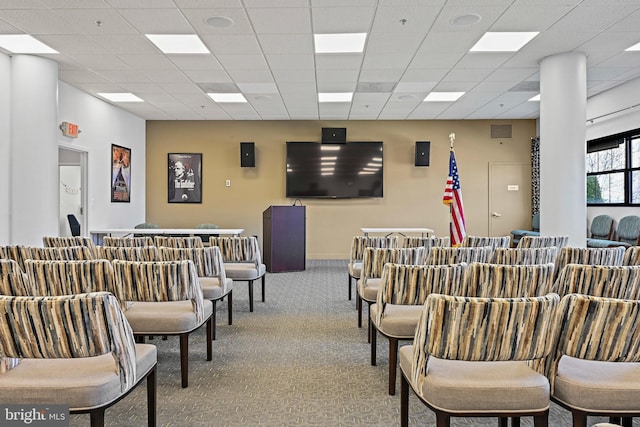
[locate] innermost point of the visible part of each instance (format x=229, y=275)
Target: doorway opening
x=72, y=175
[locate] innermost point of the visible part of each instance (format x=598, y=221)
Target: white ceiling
x=268, y=54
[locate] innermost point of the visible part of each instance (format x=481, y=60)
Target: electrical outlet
x=227, y=183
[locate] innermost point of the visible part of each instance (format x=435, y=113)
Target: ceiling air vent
x=500, y=131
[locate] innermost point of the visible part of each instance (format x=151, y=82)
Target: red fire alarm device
x=69, y=129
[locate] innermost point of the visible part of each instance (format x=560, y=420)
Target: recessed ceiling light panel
x=24, y=43
x=340, y=43
x=635, y=47
x=535, y=98
x=443, y=96
x=119, y=97
x=335, y=96
x=503, y=41
x=178, y=43
x=227, y=97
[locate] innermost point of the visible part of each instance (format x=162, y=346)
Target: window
x=613, y=170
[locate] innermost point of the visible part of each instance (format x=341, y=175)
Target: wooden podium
x=284, y=240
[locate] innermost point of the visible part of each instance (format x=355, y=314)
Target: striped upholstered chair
x=15, y=252
x=525, y=256
x=595, y=363
x=631, y=256
x=61, y=242
x=543, y=241
x=92, y=364
x=13, y=280
x=459, y=366
x=507, y=281
x=356, y=254
x=373, y=263
x=130, y=253
x=480, y=241
x=211, y=274
x=127, y=241
x=589, y=256
x=178, y=242
x=398, y=307
x=599, y=281
x=439, y=256
x=242, y=261
x=427, y=242
x=166, y=300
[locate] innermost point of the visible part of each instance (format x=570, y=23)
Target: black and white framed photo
x=185, y=178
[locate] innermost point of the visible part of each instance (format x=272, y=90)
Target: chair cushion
x=164, y=318
x=211, y=288
x=601, y=243
x=598, y=386
x=80, y=383
x=244, y=270
x=369, y=293
x=399, y=321
x=458, y=386
x=355, y=269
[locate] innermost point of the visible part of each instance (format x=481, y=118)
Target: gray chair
x=534, y=231
x=459, y=366
x=92, y=364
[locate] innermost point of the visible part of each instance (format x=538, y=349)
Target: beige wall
x=412, y=195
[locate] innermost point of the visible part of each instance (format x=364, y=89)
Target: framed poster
x=120, y=174
x=185, y=178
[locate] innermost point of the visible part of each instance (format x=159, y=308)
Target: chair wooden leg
x=614, y=420
x=184, y=359
x=250, y=283
x=393, y=362
x=442, y=419
x=503, y=422
x=373, y=344
x=627, y=421
x=579, y=419
x=349, y=285
x=359, y=309
x=369, y=325
x=542, y=420
x=230, y=307
x=213, y=333
x=263, y=283
x=404, y=401
x=515, y=421
x=210, y=327
x=152, y=403
x=97, y=417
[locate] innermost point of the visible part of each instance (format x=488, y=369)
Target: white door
x=509, y=197
x=72, y=189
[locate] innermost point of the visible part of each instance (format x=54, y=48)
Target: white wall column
x=563, y=100
x=5, y=144
x=34, y=150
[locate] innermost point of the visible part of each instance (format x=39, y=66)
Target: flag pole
x=452, y=138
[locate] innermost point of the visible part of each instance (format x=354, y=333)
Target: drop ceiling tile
x=381, y=75
x=484, y=59
x=195, y=62
x=276, y=3
x=142, y=88
x=37, y=22
x=488, y=11
x=330, y=76
x=197, y=16
x=466, y=74
x=605, y=73
x=82, y=76
x=513, y=74
x=449, y=41
x=179, y=87
x=294, y=76
x=101, y=62
x=405, y=18
x=593, y=19
x=495, y=87
x=286, y=44
x=157, y=21
x=387, y=60
x=531, y=17
x=126, y=44
x=451, y=86
x=258, y=76
x=344, y=61
x=148, y=62
x=96, y=21
x=280, y=20
x=141, y=4
x=72, y=44
x=232, y=44
x=413, y=87
x=242, y=62
x=436, y=60
x=344, y=19
x=336, y=87
x=389, y=42
x=202, y=76
x=334, y=111
x=291, y=62
x=425, y=75
x=258, y=88
x=240, y=111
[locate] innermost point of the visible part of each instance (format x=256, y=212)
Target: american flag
x=453, y=198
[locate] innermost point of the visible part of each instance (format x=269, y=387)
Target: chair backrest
x=457, y=255
x=472, y=336
x=147, y=225
x=74, y=225
x=589, y=256
x=427, y=242
x=595, y=328
x=599, y=281
x=130, y=253
x=238, y=248
x=127, y=241
x=479, y=241
x=535, y=221
x=631, y=256
x=84, y=325
x=53, y=278
x=375, y=258
x=61, y=242
x=411, y=284
x=525, y=256
x=543, y=241
x=16, y=253
x=78, y=253
x=44, y=254
x=359, y=243
x=629, y=230
x=208, y=261
x=602, y=227
x=179, y=242
x=13, y=280
x=507, y=281
x=159, y=281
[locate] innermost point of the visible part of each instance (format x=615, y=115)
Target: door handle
x=496, y=215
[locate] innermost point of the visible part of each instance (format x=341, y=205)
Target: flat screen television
x=334, y=171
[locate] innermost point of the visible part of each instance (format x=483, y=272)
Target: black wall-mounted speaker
x=334, y=135
x=248, y=154
x=422, y=153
